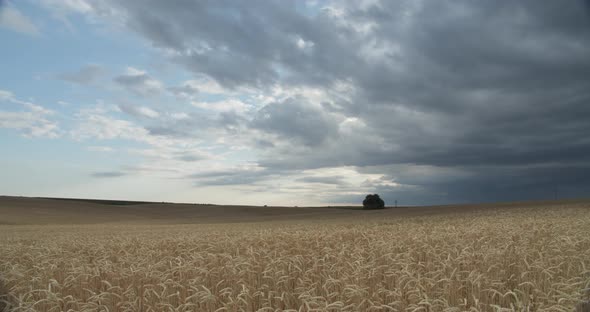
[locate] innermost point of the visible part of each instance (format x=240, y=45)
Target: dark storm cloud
x=84, y=76
x=217, y=38
x=296, y=119
x=491, y=184
x=455, y=46
x=497, y=90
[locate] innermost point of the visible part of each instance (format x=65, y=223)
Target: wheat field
x=504, y=259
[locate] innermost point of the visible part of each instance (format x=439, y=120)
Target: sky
x=295, y=102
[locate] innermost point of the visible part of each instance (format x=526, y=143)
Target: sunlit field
x=515, y=258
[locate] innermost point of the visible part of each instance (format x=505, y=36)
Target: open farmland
x=84, y=256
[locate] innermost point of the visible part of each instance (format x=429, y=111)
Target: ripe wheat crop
x=496, y=260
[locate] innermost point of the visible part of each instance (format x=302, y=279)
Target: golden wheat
x=496, y=260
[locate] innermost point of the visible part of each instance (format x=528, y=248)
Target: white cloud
x=12, y=18
x=103, y=149
x=91, y=10
x=77, y=6
x=6, y=95
x=139, y=111
x=31, y=121
x=189, y=89
x=178, y=155
x=208, y=85
x=103, y=127
x=148, y=112
x=304, y=45
x=179, y=116
x=139, y=82
x=223, y=105
x=132, y=71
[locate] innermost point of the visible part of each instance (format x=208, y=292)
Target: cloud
x=30, y=119
x=233, y=176
x=102, y=149
x=92, y=11
x=31, y=125
x=85, y=75
x=222, y=106
x=6, y=95
x=104, y=127
x=296, y=119
x=139, y=82
x=190, y=156
x=12, y=18
x=337, y=180
x=169, y=157
x=78, y=6
x=189, y=89
x=255, y=39
x=108, y=174
x=185, y=91
x=185, y=126
x=138, y=111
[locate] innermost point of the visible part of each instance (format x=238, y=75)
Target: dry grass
x=522, y=259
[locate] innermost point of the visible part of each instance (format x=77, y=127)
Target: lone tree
x=373, y=201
